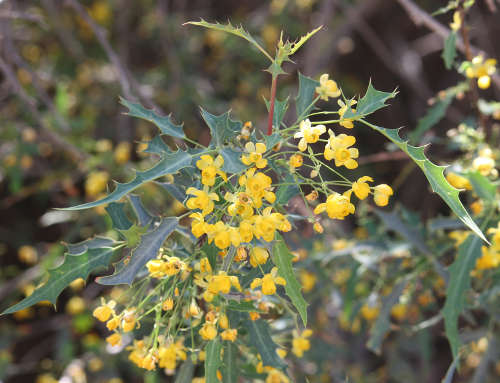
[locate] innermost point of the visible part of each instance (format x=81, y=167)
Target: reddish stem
x=271, y=106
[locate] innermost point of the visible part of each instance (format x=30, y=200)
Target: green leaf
x=260, y=338
x=157, y=146
x=229, y=28
x=118, y=217
x=182, y=181
x=210, y=251
x=229, y=368
x=133, y=235
x=296, y=46
x=280, y=109
x=232, y=161
x=372, y=101
x=146, y=250
x=222, y=128
x=272, y=140
x=212, y=360
x=305, y=97
x=91, y=243
x=468, y=252
x=169, y=164
x=437, y=111
x=483, y=187
x=186, y=372
x=383, y=323
x=245, y=306
x=282, y=258
x=285, y=192
x=143, y=216
x=450, y=52
x=434, y=175
x=73, y=267
x=164, y=123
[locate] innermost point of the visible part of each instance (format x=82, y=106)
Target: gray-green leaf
x=449, y=52
x=305, y=97
x=222, y=128
x=260, y=338
x=372, y=101
x=212, y=360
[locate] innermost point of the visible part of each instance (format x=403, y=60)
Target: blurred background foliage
x=63, y=137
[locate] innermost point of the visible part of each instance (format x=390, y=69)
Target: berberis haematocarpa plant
x=205, y=286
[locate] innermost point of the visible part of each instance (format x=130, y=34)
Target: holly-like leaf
x=229, y=368
x=450, y=51
x=282, y=258
x=133, y=235
x=260, y=338
x=73, y=267
x=169, y=164
x=305, y=97
x=468, y=252
x=222, y=128
x=382, y=324
x=91, y=243
x=296, y=46
x=212, y=360
x=143, y=216
x=157, y=146
x=434, y=175
x=286, y=192
x=232, y=161
x=372, y=101
x=119, y=219
x=147, y=249
x=164, y=123
x=229, y=28
x=182, y=181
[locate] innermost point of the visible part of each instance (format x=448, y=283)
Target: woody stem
x=271, y=105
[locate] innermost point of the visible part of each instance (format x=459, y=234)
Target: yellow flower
x=327, y=88
x=459, y=236
x=246, y=231
x=276, y=376
x=483, y=165
x=458, y=181
x=241, y=204
x=457, y=21
x=75, y=305
x=318, y=228
x=312, y=196
x=129, y=320
x=255, y=152
x=149, y=362
x=337, y=206
x=104, y=311
x=308, y=134
x=198, y=225
x=268, y=282
x=27, y=254
x=241, y=254
x=114, y=339
x=301, y=342
x=210, y=168
x=258, y=256
x=155, y=268
x=223, y=235
x=361, y=188
x=202, y=200
x=369, y=312
x=229, y=334
x=308, y=280
x=221, y=283
x=96, y=183
x=168, y=304
x=208, y=331
x=382, y=193
x=122, y=152
x=169, y=354
x=477, y=207
x=296, y=161
x=266, y=224
x=489, y=260
x=257, y=186
x=482, y=70
x=337, y=148
x=346, y=122
x=399, y=311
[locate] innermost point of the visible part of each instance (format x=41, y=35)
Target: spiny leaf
x=283, y=259
x=157, y=146
x=133, y=235
x=296, y=46
x=229, y=368
x=372, y=101
x=382, y=324
x=260, y=338
x=305, y=97
x=434, y=175
x=164, y=123
x=169, y=164
x=146, y=250
x=119, y=219
x=229, y=28
x=468, y=252
x=222, y=128
x=73, y=267
x=182, y=180
x=143, y=216
x=91, y=243
x=450, y=51
x=232, y=160
x=212, y=360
